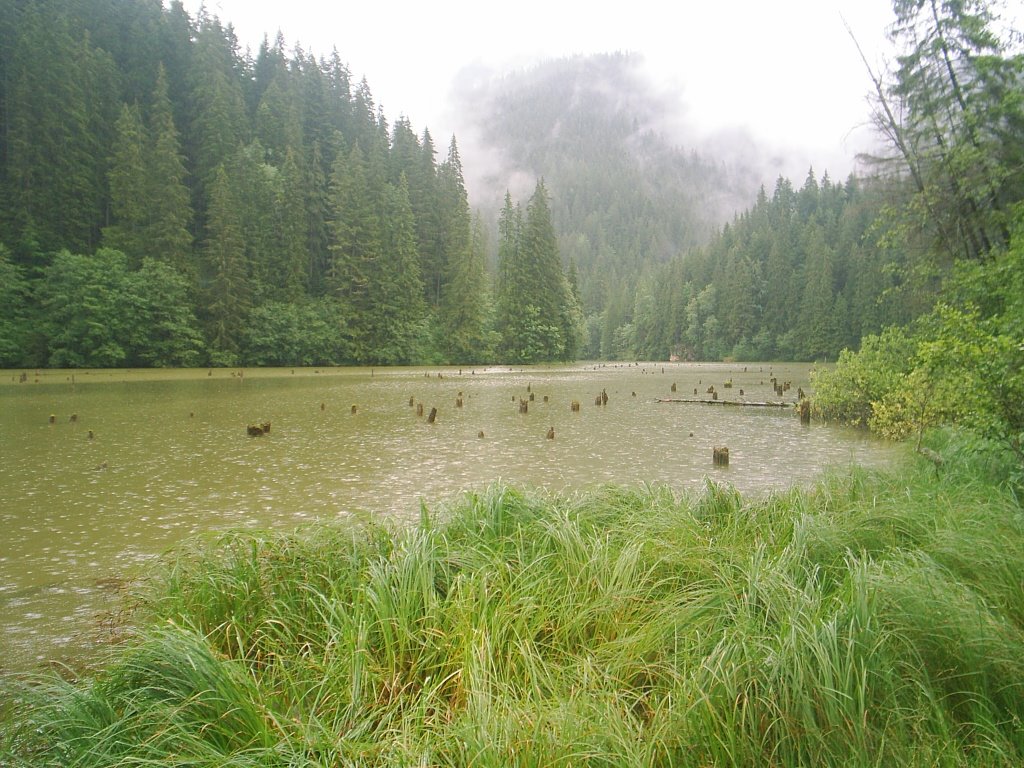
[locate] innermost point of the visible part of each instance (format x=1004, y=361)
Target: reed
x=875, y=619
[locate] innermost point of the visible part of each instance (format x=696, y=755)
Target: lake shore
x=874, y=618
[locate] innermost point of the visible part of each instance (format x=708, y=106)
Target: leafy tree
x=296, y=333
x=954, y=119
x=161, y=328
x=85, y=317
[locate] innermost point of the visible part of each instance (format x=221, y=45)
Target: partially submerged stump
x=720, y=457
x=524, y=406
x=258, y=430
x=805, y=411
x=433, y=416
x=574, y=406
x=419, y=409
x=551, y=433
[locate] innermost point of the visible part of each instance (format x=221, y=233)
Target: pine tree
x=128, y=179
x=462, y=311
x=227, y=296
x=167, y=195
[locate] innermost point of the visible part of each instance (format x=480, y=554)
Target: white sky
x=785, y=71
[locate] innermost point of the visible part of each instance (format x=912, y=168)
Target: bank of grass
x=875, y=620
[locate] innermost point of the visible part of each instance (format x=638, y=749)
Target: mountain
x=625, y=195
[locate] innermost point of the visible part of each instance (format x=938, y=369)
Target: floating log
x=433, y=416
x=720, y=457
x=762, y=404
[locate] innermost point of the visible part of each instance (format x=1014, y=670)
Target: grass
x=876, y=619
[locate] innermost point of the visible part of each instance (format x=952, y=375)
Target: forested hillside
x=167, y=198
x=665, y=266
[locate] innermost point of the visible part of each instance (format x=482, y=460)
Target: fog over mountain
x=631, y=184
x=604, y=108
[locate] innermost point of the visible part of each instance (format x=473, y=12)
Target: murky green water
x=152, y=457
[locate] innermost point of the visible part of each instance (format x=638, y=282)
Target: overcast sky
x=786, y=71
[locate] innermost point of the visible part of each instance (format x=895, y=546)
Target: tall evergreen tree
x=129, y=180
x=167, y=195
x=462, y=312
x=227, y=293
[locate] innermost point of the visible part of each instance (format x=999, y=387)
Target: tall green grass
x=874, y=620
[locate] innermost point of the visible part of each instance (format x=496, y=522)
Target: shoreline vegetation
x=876, y=618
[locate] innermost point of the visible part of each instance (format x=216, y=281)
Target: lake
x=104, y=470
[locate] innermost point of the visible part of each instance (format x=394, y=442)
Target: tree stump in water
x=524, y=406
x=419, y=409
x=720, y=457
x=805, y=411
x=574, y=406
x=551, y=433
x=604, y=397
x=673, y=386
x=432, y=416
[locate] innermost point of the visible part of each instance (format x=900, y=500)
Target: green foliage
x=161, y=329
x=849, y=392
x=288, y=333
x=97, y=313
x=14, y=321
x=538, y=316
x=83, y=312
x=872, y=619
x=960, y=365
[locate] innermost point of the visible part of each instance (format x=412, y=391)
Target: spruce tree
x=169, y=214
x=227, y=294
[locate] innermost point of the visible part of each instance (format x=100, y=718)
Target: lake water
x=101, y=471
